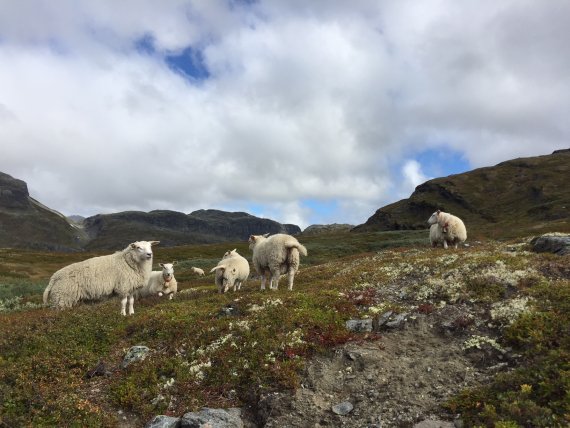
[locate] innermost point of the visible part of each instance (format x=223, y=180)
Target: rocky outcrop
x=558, y=243
x=317, y=229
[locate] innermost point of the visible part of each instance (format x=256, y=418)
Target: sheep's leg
x=124, y=306
x=263, y=279
x=131, y=303
x=171, y=296
x=275, y=274
x=290, y=277
x=445, y=243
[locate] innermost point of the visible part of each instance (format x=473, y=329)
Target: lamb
x=121, y=273
x=276, y=255
x=197, y=270
x=160, y=282
x=452, y=228
x=231, y=271
x=436, y=235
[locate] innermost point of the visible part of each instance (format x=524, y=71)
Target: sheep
x=231, y=271
x=197, y=270
x=436, y=235
x=160, y=282
x=452, y=227
x=276, y=255
x=121, y=273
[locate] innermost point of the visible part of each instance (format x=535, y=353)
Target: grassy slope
x=221, y=361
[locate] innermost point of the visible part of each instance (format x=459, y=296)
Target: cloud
x=322, y=101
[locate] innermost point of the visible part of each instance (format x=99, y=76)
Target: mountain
x=524, y=195
x=26, y=223
x=317, y=229
x=109, y=231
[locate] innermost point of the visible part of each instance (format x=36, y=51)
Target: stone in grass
x=162, y=421
x=218, y=418
x=343, y=408
x=359, y=325
x=136, y=353
x=552, y=243
x=428, y=423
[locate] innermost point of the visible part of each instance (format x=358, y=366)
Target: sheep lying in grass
x=121, y=273
x=160, y=282
x=231, y=271
x=452, y=228
x=276, y=255
x=197, y=270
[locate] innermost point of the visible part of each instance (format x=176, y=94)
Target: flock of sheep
x=128, y=273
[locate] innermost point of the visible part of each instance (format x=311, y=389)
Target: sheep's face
x=231, y=253
x=167, y=271
x=434, y=217
x=143, y=249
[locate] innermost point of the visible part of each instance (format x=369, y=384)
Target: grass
x=200, y=357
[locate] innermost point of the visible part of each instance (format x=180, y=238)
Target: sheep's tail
x=299, y=247
x=217, y=267
x=46, y=293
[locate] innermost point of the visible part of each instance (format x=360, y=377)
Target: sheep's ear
x=161, y=264
x=235, y=249
x=154, y=243
x=438, y=211
x=266, y=235
x=252, y=238
x=174, y=263
x=133, y=245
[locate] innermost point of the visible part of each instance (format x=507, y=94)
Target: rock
x=136, y=353
x=428, y=423
x=359, y=325
x=382, y=319
x=552, y=243
x=229, y=310
x=162, y=421
x=343, y=408
x=397, y=322
x=215, y=418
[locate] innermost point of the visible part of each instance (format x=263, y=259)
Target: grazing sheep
x=160, y=282
x=436, y=235
x=197, y=270
x=231, y=271
x=452, y=227
x=276, y=255
x=121, y=273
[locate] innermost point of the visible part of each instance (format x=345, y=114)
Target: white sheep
x=231, y=271
x=276, y=255
x=121, y=273
x=436, y=235
x=160, y=282
x=452, y=228
x=197, y=270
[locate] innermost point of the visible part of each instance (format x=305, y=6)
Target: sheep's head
x=228, y=276
x=434, y=217
x=143, y=249
x=256, y=239
x=167, y=271
x=230, y=253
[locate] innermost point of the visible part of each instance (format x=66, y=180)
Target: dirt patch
x=396, y=381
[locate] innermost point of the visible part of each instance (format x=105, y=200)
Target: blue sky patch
x=442, y=162
x=190, y=63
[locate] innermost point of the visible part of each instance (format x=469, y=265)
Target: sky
x=305, y=112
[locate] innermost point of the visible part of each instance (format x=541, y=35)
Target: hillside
x=476, y=336
x=174, y=228
x=525, y=195
x=26, y=223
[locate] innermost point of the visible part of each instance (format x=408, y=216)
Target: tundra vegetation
x=200, y=357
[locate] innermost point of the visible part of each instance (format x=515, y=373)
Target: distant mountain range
x=26, y=223
x=518, y=197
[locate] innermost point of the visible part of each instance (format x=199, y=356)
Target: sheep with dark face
x=121, y=273
x=274, y=256
x=452, y=228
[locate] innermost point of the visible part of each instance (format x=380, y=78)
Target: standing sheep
x=276, y=256
x=121, y=273
x=231, y=271
x=160, y=282
x=197, y=270
x=436, y=235
x=452, y=227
